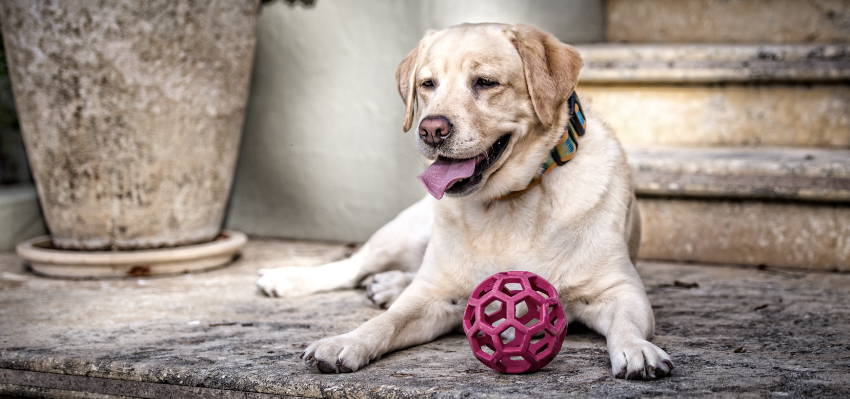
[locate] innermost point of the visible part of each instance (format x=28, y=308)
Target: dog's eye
x=428, y=84
x=484, y=82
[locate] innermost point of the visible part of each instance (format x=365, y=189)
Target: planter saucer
x=44, y=259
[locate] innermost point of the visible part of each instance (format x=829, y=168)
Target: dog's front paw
x=339, y=354
x=639, y=359
x=383, y=288
x=288, y=281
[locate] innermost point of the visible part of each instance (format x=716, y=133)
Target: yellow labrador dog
x=492, y=102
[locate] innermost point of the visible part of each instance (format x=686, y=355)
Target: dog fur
x=579, y=228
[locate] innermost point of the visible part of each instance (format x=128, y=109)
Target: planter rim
x=230, y=243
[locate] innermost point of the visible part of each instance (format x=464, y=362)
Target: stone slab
x=731, y=21
x=28, y=383
x=731, y=331
x=647, y=115
x=807, y=174
x=714, y=63
x=787, y=234
x=20, y=217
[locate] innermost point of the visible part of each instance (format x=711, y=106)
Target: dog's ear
x=551, y=70
x=405, y=75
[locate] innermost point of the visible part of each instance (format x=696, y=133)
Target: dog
x=492, y=102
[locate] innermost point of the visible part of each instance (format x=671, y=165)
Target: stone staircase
x=740, y=142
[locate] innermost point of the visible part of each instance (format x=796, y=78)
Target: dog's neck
x=564, y=150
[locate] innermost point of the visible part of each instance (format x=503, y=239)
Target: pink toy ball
x=514, y=322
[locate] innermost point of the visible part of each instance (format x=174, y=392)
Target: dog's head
x=488, y=101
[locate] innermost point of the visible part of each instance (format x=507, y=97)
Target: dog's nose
x=434, y=129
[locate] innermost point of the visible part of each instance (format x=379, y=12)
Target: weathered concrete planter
x=131, y=113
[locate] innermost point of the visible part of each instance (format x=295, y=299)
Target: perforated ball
x=514, y=322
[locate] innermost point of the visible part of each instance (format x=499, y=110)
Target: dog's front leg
x=422, y=313
x=622, y=314
x=399, y=245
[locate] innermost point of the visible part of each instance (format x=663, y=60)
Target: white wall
x=323, y=155
x=574, y=21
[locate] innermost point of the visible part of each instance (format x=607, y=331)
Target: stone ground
x=731, y=332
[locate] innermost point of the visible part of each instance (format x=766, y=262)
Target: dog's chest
x=488, y=241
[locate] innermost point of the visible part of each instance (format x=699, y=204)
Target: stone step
x=796, y=174
x=721, y=95
x=769, y=206
x=732, y=21
x=714, y=63
x=759, y=233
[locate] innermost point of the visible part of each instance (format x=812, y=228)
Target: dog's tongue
x=444, y=172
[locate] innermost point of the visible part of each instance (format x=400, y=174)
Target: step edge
x=708, y=77
x=713, y=195
x=799, y=174
x=606, y=63
x=713, y=52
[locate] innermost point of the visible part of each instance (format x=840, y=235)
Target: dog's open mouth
x=457, y=176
